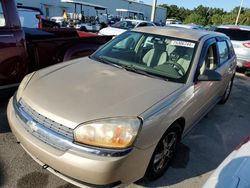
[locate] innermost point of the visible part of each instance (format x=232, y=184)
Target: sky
x=225, y=4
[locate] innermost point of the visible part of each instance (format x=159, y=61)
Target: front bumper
x=78, y=167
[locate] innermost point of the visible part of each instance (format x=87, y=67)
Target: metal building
x=56, y=7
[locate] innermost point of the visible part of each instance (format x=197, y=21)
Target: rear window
x=234, y=34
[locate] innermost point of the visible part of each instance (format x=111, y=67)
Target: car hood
x=112, y=31
x=84, y=90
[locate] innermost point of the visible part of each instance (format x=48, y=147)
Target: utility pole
x=237, y=19
x=153, y=10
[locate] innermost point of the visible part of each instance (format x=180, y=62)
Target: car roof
x=242, y=27
x=178, y=32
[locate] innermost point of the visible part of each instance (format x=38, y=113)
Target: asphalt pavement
x=200, y=152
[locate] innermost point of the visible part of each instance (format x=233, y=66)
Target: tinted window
x=235, y=34
x=2, y=19
x=223, y=51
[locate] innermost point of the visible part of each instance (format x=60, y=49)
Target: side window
x=223, y=51
x=210, y=61
x=231, y=48
x=2, y=19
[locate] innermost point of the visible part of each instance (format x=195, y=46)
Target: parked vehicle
x=234, y=171
x=58, y=19
x=32, y=17
x=119, y=114
x=173, y=21
x=124, y=25
x=240, y=37
x=23, y=50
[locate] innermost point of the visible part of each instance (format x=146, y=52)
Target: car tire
x=227, y=92
x=164, y=153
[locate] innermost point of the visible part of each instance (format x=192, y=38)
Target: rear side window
x=223, y=51
x=2, y=19
x=235, y=34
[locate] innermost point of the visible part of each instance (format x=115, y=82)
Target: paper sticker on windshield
x=182, y=43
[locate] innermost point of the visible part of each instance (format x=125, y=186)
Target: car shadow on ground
x=211, y=140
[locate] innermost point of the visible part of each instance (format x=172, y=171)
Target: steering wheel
x=177, y=67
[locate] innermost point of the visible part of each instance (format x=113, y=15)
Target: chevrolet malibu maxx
x=117, y=116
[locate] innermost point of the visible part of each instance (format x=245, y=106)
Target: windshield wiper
x=106, y=61
x=142, y=72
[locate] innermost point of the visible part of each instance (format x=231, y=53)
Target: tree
x=207, y=16
x=229, y=18
x=195, y=18
x=216, y=19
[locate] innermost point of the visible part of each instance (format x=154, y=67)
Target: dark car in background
x=240, y=37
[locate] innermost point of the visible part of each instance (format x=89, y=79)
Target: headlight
x=116, y=133
x=23, y=85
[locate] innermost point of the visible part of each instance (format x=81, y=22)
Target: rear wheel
x=227, y=92
x=164, y=153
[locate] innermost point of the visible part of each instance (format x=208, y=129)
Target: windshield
x=160, y=56
x=125, y=25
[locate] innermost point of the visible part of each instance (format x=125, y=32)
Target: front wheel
x=164, y=153
x=227, y=92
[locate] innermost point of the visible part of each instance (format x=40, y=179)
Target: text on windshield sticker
x=183, y=43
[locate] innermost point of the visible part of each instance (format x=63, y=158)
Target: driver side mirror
x=210, y=75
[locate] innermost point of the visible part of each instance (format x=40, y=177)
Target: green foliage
x=202, y=15
x=195, y=18
x=216, y=19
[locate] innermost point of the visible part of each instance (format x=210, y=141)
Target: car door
x=12, y=50
x=215, y=56
x=204, y=91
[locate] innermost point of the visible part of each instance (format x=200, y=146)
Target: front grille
x=46, y=122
